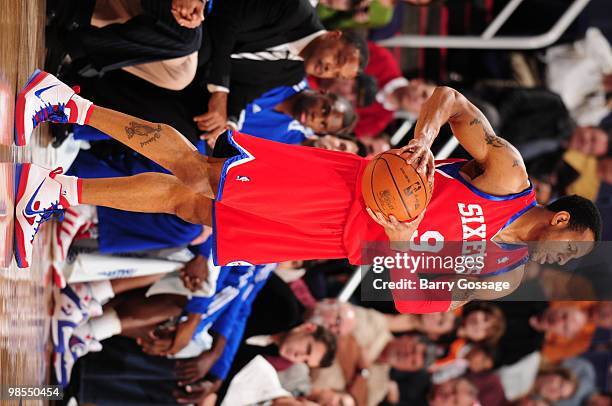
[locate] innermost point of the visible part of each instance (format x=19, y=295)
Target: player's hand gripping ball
x=392, y=186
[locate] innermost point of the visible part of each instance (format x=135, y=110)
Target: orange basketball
x=390, y=186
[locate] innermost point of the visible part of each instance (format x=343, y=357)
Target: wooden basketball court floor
x=24, y=294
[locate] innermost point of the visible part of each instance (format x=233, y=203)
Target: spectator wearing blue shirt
x=294, y=114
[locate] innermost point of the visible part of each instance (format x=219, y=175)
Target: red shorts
x=279, y=202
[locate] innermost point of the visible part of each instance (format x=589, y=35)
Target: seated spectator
x=561, y=319
x=555, y=384
x=458, y=392
x=569, y=327
x=360, y=91
x=337, y=143
x=590, y=141
x=292, y=114
x=394, y=93
x=376, y=145
x=338, y=317
x=480, y=361
x=481, y=323
x=307, y=343
x=433, y=325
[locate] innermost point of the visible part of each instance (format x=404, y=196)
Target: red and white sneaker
x=38, y=199
x=77, y=220
x=46, y=98
x=74, y=305
x=81, y=342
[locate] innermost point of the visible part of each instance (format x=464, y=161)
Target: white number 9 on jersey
x=429, y=241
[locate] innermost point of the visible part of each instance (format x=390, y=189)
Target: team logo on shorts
x=243, y=178
x=503, y=260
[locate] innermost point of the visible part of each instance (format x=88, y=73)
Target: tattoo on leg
x=152, y=134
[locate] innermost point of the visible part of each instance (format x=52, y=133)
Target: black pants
x=121, y=374
x=152, y=36
x=124, y=92
x=275, y=310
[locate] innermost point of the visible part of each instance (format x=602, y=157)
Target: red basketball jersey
x=458, y=212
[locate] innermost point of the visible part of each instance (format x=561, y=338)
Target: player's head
x=482, y=322
x=360, y=91
x=572, y=227
x=405, y=353
x=555, y=384
x=324, y=113
x=336, y=54
x=309, y=344
x=337, y=317
x=458, y=392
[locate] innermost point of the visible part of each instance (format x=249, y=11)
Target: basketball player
x=273, y=202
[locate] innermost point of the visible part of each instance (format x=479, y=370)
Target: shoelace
x=50, y=113
x=53, y=113
x=56, y=210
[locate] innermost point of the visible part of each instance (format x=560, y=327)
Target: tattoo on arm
x=151, y=133
x=515, y=163
x=493, y=140
x=490, y=138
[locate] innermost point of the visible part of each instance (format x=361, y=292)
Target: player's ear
x=560, y=218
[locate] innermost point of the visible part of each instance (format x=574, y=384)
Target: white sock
x=71, y=189
x=106, y=326
x=84, y=108
x=102, y=291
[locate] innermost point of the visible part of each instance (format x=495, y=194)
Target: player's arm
x=501, y=162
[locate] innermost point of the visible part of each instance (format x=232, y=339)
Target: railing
x=487, y=40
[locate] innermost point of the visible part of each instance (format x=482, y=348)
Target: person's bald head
x=337, y=317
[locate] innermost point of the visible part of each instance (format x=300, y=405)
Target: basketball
x=391, y=186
